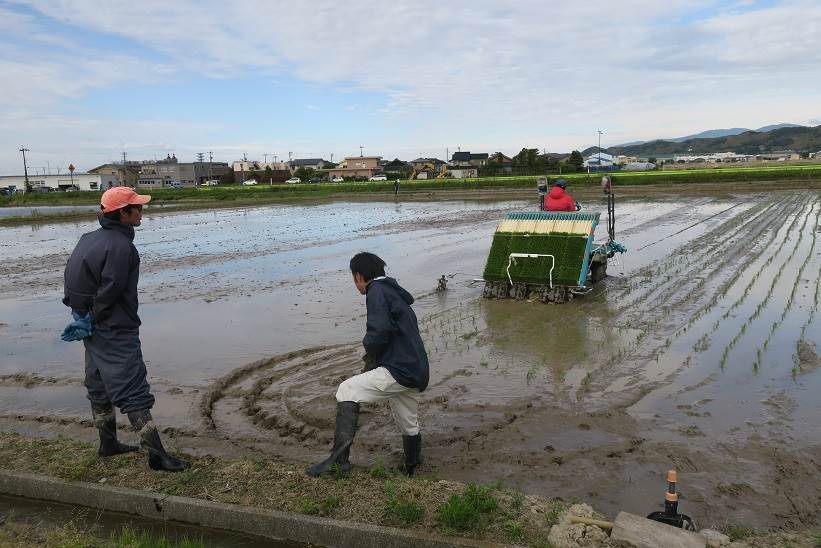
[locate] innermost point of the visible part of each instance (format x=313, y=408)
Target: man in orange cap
x=101, y=288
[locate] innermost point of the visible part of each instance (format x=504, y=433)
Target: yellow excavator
x=428, y=168
x=444, y=173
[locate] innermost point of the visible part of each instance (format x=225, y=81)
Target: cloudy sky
x=85, y=80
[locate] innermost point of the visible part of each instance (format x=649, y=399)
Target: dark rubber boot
x=106, y=423
x=158, y=459
x=347, y=413
x=412, y=446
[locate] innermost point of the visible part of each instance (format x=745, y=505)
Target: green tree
x=269, y=174
x=304, y=174
x=576, y=160
x=527, y=157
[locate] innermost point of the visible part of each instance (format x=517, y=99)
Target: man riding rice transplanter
x=558, y=199
x=101, y=288
x=396, y=366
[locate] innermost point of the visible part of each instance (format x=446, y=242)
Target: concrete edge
x=272, y=524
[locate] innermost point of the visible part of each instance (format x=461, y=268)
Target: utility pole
x=265, y=158
x=210, y=162
x=125, y=175
x=599, y=132
x=289, y=156
x=25, y=168
x=360, y=150
x=242, y=167
x=200, y=159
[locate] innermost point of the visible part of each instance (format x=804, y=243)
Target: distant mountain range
x=739, y=140
x=711, y=133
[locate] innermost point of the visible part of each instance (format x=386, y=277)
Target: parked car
x=316, y=179
x=42, y=189
x=293, y=180
x=212, y=182
x=5, y=192
x=249, y=182
x=378, y=178
x=173, y=184
x=337, y=179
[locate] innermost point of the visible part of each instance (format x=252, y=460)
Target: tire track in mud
x=278, y=400
x=230, y=384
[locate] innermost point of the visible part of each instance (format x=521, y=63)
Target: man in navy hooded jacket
x=396, y=366
x=101, y=280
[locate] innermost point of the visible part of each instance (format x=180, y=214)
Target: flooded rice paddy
x=698, y=352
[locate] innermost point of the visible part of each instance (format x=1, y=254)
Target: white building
x=599, y=159
x=713, y=157
x=639, y=166
x=64, y=181
x=463, y=172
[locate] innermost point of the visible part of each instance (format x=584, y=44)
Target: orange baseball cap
x=121, y=196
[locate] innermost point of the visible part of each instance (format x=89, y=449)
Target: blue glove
x=79, y=329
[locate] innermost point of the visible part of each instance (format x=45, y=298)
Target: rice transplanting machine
x=548, y=255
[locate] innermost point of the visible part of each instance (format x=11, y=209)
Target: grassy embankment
x=228, y=196
x=376, y=495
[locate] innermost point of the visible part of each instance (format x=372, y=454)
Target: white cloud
x=474, y=73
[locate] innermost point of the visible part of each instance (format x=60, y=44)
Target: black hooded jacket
x=101, y=276
x=392, y=337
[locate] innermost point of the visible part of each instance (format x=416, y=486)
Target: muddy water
x=697, y=353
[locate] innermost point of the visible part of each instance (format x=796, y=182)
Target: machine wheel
x=598, y=271
x=500, y=290
x=519, y=291
x=487, y=292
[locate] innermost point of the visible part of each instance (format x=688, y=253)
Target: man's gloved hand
x=370, y=363
x=79, y=329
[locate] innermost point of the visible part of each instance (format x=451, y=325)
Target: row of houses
x=462, y=164
x=170, y=171
x=60, y=182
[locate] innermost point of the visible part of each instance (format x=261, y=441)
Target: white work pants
x=377, y=385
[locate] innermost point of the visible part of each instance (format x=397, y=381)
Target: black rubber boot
x=106, y=423
x=412, y=446
x=158, y=459
x=347, y=413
